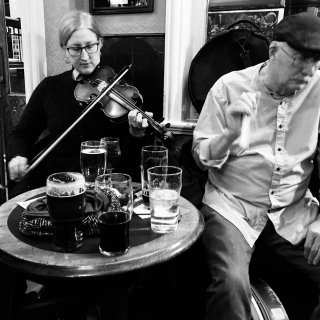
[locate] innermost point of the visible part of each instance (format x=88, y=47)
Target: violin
x=41, y=155
x=121, y=99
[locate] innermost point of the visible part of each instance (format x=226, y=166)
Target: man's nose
x=309, y=69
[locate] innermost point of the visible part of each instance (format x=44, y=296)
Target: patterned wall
x=110, y=24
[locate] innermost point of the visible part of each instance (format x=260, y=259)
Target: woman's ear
x=101, y=42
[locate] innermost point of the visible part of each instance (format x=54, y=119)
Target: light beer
x=93, y=163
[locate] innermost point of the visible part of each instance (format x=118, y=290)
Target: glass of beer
x=93, y=160
x=113, y=153
x=66, y=204
x=115, y=191
x=151, y=156
x=165, y=184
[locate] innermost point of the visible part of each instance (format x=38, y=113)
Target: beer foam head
x=65, y=184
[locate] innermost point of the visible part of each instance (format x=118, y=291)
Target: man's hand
x=312, y=243
x=245, y=105
x=137, y=123
x=17, y=167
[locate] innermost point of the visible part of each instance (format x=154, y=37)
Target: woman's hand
x=17, y=167
x=137, y=123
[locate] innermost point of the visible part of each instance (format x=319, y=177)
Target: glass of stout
x=115, y=192
x=66, y=204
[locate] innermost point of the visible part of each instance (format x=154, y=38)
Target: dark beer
x=114, y=232
x=66, y=204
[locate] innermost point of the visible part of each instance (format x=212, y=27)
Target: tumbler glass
x=165, y=184
x=115, y=192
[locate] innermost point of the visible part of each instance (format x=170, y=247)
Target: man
x=257, y=135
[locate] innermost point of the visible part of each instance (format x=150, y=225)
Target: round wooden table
x=35, y=258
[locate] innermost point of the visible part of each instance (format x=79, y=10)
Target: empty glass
x=151, y=156
x=113, y=152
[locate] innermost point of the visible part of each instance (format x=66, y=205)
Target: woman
x=53, y=107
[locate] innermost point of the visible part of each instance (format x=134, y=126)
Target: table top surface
x=32, y=258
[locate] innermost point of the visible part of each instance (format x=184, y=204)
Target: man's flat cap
x=301, y=31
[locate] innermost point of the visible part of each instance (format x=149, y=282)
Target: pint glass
x=66, y=204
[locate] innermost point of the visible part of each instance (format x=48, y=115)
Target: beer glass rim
x=65, y=172
x=77, y=186
x=152, y=148
x=103, y=177
x=93, y=143
x=109, y=139
x=178, y=170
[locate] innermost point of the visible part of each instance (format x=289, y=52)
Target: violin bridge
x=102, y=85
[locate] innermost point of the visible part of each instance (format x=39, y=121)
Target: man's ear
x=272, y=51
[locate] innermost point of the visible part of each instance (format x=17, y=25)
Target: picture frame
x=102, y=7
x=265, y=19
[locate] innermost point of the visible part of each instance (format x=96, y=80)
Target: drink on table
x=93, y=156
x=66, y=203
x=114, y=232
x=164, y=204
x=151, y=156
x=113, y=153
x=165, y=184
x=115, y=192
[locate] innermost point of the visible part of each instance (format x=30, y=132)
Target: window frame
x=186, y=29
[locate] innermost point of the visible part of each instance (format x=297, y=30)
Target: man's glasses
x=76, y=51
x=299, y=60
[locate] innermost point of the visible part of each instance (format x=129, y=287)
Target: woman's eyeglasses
x=90, y=48
x=299, y=60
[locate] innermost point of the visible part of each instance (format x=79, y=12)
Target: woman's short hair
x=76, y=20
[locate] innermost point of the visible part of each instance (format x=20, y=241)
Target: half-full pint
x=66, y=203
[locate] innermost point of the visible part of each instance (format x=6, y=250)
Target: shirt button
x=279, y=149
x=272, y=192
x=278, y=169
x=280, y=126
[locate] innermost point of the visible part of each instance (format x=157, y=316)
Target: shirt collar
x=76, y=75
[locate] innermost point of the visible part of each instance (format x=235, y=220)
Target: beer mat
x=24, y=204
x=142, y=211
x=34, y=220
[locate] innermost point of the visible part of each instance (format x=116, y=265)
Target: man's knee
x=229, y=281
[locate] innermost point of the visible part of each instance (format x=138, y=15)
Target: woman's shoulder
x=66, y=76
x=60, y=79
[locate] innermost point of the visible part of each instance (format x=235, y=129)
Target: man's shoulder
x=246, y=74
